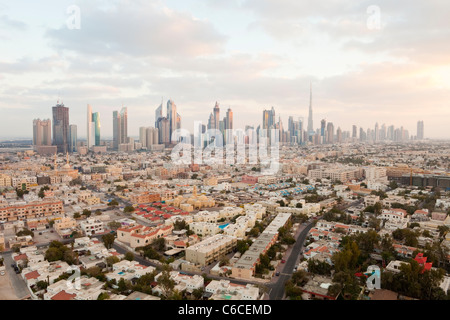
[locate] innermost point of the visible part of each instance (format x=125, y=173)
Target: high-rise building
x=420, y=131
x=355, y=132
x=73, y=139
x=120, y=128
x=330, y=132
x=229, y=119
x=323, y=124
x=42, y=132
x=61, y=127
x=96, y=122
x=158, y=113
x=310, y=115
x=216, y=113
x=90, y=128
x=172, y=117
x=164, y=131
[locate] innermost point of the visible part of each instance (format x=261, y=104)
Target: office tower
x=330, y=131
x=310, y=115
x=158, y=113
x=120, y=127
x=116, y=130
x=61, y=127
x=354, y=133
x=269, y=119
x=178, y=122
x=420, y=131
x=382, y=135
x=216, y=113
x=390, y=133
x=172, y=116
x=90, y=128
x=322, y=128
x=339, y=135
x=143, y=136
x=229, y=119
x=362, y=135
x=164, y=131
x=96, y=122
x=42, y=132
x=376, y=134
x=266, y=115
x=211, y=121
x=73, y=139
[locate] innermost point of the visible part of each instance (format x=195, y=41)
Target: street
x=20, y=288
x=277, y=287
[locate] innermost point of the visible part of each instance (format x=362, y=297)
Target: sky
x=367, y=61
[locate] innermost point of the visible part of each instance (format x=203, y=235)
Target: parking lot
x=45, y=236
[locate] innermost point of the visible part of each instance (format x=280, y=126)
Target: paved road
x=277, y=288
x=20, y=288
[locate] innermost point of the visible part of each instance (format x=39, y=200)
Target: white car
x=2, y=273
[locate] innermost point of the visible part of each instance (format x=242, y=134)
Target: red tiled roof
x=63, y=295
x=32, y=275
x=20, y=257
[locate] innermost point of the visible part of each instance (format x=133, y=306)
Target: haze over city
x=247, y=55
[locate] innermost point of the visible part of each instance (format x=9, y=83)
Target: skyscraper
x=90, y=128
x=96, y=122
x=420, y=132
x=229, y=119
x=216, y=113
x=73, y=139
x=310, y=115
x=61, y=127
x=42, y=132
x=120, y=127
x=158, y=114
x=172, y=117
x=330, y=132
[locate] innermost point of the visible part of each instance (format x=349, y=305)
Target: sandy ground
x=6, y=290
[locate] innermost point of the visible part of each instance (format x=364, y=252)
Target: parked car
x=277, y=274
x=2, y=273
x=283, y=261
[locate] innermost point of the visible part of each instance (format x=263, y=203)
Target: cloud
x=138, y=30
x=8, y=23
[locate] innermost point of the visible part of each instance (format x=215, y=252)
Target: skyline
x=376, y=133
x=397, y=71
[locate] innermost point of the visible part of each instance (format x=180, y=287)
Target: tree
x=198, y=293
x=128, y=209
x=159, y=244
x=25, y=232
x=111, y=260
x=166, y=283
x=108, y=240
x=300, y=278
x=87, y=213
x=113, y=203
x=76, y=215
x=98, y=212
x=242, y=246
x=103, y=296
x=114, y=225
x=41, y=285
x=224, y=261
x=129, y=256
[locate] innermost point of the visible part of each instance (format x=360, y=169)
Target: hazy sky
x=369, y=61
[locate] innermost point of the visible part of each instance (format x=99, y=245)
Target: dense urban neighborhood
x=332, y=223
